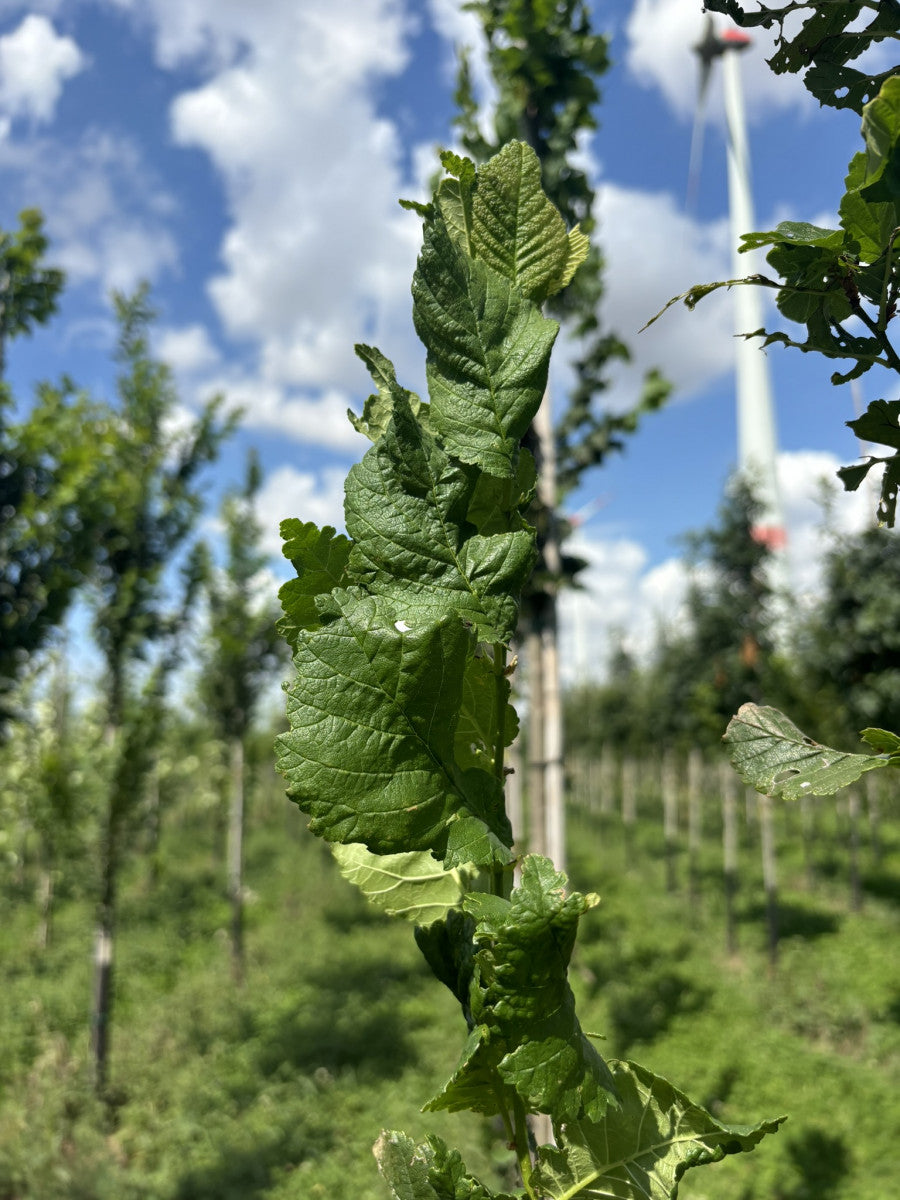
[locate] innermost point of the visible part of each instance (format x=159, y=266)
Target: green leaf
x=881, y=130
x=379, y=408
x=319, y=556
x=879, y=423
x=449, y=1175
x=406, y=508
x=410, y=885
x=771, y=754
x=485, y=705
x=881, y=739
x=488, y=353
x=796, y=233
x=869, y=223
x=404, y=1166
x=516, y=229
x=430, y=1171
x=525, y=1033
x=641, y=1150
x=578, y=250
x=373, y=713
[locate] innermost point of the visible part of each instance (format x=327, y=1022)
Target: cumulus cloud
x=622, y=601
x=187, y=350
x=654, y=251
x=35, y=62
x=106, y=212
x=317, y=254
x=625, y=601
x=816, y=508
x=661, y=36
x=305, y=495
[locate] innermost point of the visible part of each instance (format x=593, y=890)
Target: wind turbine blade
x=705, y=53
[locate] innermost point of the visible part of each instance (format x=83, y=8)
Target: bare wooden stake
x=695, y=819
x=853, y=806
x=669, y=788
x=728, y=781
x=770, y=880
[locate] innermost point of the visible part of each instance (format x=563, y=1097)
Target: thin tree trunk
x=729, y=787
x=101, y=1014
x=46, y=904
x=872, y=808
x=695, y=820
x=514, y=807
x=807, y=833
x=545, y=726
x=236, y=858
x=154, y=823
x=853, y=815
x=669, y=788
x=537, y=820
x=629, y=804
x=770, y=881
x=554, y=790
x=607, y=781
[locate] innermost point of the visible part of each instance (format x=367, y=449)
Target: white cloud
x=187, y=350
x=317, y=255
x=288, y=492
x=318, y=419
x=105, y=211
x=653, y=251
x=621, y=602
x=624, y=602
x=815, y=509
x=661, y=36
x=35, y=63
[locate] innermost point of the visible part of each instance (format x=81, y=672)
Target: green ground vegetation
x=277, y=1089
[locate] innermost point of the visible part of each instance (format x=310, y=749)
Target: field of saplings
x=766, y=989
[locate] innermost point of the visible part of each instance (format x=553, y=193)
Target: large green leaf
x=525, y=1033
x=406, y=508
x=373, y=713
x=488, y=353
x=771, y=754
x=515, y=228
x=867, y=221
x=640, y=1150
x=319, y=556
x=410, y=885
x=881, y=130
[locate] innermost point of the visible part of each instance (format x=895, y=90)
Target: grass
x=278, y=1089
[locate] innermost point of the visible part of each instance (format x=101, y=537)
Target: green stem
x=523, y=1153
x=893, y=361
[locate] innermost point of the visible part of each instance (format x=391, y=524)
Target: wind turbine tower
x=757, y=442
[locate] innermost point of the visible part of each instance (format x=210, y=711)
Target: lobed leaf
x=430, y=1171
x=771, y=754
x=640, y=1150
x=320, y=557
x=525, y=1035
x=488, y=353
x=406, y=508
x=404, y=1166
x=379, y=408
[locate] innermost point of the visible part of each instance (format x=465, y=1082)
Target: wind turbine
x=757, y=442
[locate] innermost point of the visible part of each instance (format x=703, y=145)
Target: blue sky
x=247, y=158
